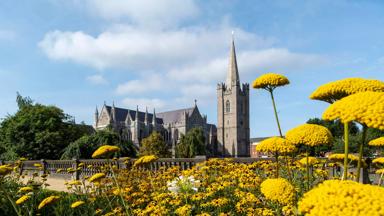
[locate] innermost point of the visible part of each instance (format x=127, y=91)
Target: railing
x=81, y=168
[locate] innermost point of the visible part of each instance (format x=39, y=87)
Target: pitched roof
x=121, y=115
x=174, y=115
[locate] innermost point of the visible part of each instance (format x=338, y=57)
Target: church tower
x=233, y=112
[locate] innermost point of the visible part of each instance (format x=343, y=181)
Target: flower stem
x=277, y=164
x=346, y=140
x=361, y=146
x=274, y=109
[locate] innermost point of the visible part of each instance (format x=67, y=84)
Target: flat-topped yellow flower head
x=5, y=169
x=365, y=107
x=276, y=144
x=77, y=204
x=311, y=161
x=48, y=201
x=335, y=197
x=379, y=160
x=96, y=177
x=270, y=81
x=340, y=157
x=145, y=160
x=278, y=190
x=22, y=199
x=105, y=150
x=377, y=142
x=336, y=90
x=310, y=135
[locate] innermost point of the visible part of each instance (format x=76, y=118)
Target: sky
x=164, y=54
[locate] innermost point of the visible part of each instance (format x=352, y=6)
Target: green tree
x=154, y=145
x=191, y=144
x=84, y=147
x=37, y=131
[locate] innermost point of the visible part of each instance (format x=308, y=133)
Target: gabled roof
x=121, y=115
x=174, y=115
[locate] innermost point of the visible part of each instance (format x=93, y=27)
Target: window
x=227, y=106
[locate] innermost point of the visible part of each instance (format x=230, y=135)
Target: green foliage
x=86, y=145
x=37, y=131
x=154, y=145
x=191, y=144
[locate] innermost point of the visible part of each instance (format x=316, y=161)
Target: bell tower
x=233, y=112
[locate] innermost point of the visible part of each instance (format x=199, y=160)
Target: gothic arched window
x=227, y=106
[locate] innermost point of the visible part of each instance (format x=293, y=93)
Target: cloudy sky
x=76, y=54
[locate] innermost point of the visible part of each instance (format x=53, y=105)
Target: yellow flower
x=278, y=190
x=184, y=210
x=311, y=161
x=335, y=197
x=5, y=169
x=47, y=201
x=379, y=171
x=77, y=204
x=98, y=211
x=25, y=189
x=270, y=81
x=340, y=157
x=145, y=160
x=275, y=144
x=71, y=170
x=366, y=108
x=105, y=150
x=96, y=177
x=310, y=135
x=22, y=199
x=379, y=160
x=377, y=142
x=339, y=89
x=75, y=182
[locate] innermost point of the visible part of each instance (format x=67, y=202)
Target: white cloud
x=144, y=102
x=150, y=83
x=97, y=79
x=145, y=12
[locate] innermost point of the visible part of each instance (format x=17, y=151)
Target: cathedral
x=229, y=139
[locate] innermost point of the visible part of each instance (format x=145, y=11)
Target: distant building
x=253, y=143
x=135, y=125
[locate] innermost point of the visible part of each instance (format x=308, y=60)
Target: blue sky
x=76, y=54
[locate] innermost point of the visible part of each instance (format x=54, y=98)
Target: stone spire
x=154, y=117
x=233, y=73
x=96, y=116
x=113, y=111
x=137, y=114
x=146, y=120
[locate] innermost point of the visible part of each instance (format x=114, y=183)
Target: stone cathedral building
x=233, y=112
x=135, y=125
x=229, y=139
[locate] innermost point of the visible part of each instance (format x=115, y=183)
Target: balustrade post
x=1, y=162
x=44, y=166
x=75, y=165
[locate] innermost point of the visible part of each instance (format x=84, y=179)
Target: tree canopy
x=191, y=144
x=87, y=144
x=37, y=131
x=154, y=145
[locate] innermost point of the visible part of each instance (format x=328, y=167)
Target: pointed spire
x=233, y=73
x=146, y=120
x=154, y=117
x=195, y=103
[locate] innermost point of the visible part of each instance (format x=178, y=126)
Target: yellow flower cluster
x=25, y=189
x=310, y=135
x=22, y=199
x=279, y=190
x=379, y=171
x=335, y=197
x=275, y=144
x=339, y=89
x=270, y=81
x=96, y=177
x=311, y=161
x=77, y=204
x=377, y=142
x=5, y=169
x=366, y=108
x=104, y=151
x=379, y=160
x=145, y=160
x=340, y=157
x=47, y=201
x=184, y=210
